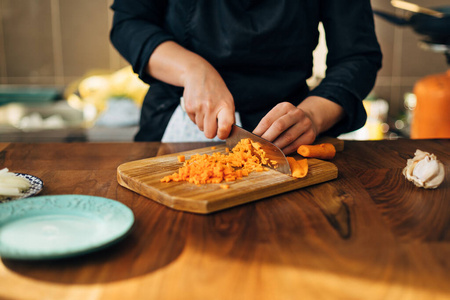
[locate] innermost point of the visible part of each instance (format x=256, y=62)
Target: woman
x=251, y=57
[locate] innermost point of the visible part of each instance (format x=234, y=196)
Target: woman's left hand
x=289, y=126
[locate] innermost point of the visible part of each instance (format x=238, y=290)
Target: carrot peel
x=299, y=168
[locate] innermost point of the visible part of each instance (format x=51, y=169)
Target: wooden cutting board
x=143, y=177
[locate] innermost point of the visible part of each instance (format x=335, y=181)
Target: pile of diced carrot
x=246, y=157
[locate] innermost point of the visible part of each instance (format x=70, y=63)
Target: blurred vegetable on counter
x=92, y=93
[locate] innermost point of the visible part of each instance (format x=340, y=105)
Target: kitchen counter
x=68, y=135
x=369, y=234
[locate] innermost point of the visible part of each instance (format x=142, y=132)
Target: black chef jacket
x=262, y=49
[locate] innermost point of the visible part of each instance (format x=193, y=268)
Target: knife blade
x=272, y=152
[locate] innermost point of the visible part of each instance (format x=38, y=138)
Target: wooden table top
x=369, y=234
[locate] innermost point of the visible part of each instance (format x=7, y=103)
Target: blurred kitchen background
x=61, y=80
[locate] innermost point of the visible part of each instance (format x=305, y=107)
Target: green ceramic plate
x=57, y=226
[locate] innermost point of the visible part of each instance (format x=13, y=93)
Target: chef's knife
x=272, y=152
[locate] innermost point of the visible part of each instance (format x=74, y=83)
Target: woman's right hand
x=207, y=100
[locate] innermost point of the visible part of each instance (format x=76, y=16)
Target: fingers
x=278, y=120
x=208, y=102
x=287, y=127
x=209, y=125
x=219, y=124
x=225, y=119
x=214, y=118
x=199, y=111
x=306, y=138
x=199, y=120
x=267, y=121
x=188, y=106
x=303, y=132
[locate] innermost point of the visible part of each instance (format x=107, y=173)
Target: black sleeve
x=137, y=30
x=353, y=59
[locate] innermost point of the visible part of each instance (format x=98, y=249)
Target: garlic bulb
x=424, y=170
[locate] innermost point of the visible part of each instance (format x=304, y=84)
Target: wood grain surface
x=3, y=146
x=144, y=177
x=369, y=234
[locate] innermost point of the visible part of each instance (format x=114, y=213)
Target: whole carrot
x=321, y=151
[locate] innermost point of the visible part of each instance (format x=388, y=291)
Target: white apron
x=182, y=129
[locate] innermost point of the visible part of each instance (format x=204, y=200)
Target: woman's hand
x=207, y=100
x=289, y=126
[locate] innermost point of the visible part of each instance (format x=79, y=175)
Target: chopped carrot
x=244, y=158
x=181, y=158
x=224, y=186
x=213, y=148
x=299, y=168
x=322, y=151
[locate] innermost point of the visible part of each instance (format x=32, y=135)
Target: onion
x=11, y=184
